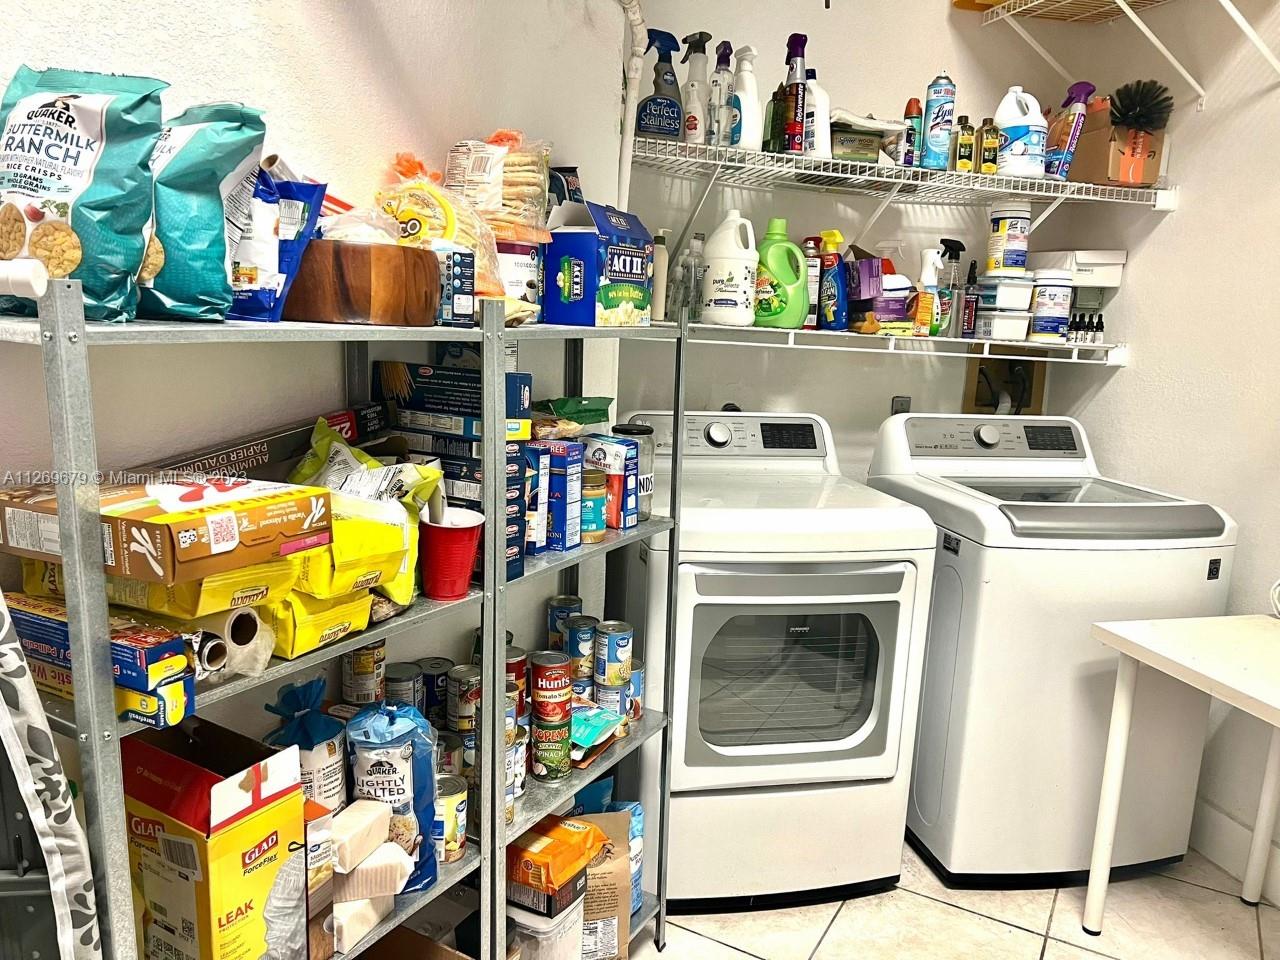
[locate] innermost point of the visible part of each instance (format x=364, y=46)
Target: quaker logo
x=57, y=110
x=382, y=768
x=625, y=263
x=145, y=829
x=951, y=543
x=259, y=850
x=1215, y=569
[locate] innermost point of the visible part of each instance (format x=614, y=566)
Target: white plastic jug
x=1023, y=132
x=729, y=281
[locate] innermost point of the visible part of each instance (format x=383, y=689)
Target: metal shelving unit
x=64, y=338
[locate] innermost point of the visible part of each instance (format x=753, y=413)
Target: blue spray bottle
x=661, y=114
x=833, y=291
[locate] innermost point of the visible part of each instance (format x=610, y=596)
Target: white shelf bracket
x=1163, y=50
x=1048, y=211
x=877, y=213
x=1247, y=29
x=697, y=209
x=1035, y=45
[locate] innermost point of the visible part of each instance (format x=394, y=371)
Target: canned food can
x=613, y=653
x=464, y=695
x=435, y=683
x=521, y=759
x=558, y=608
x=552, y=691
x=509, y=795
x=580, y=636
x=449, y=754
x=635, y=697
x=477, y=645
x=614, y=699
x=518, y=672
x=513, y=712
x=551, y=744
x=450, y=829
x=403, y=684
x=364, y=673
x=584, y=687
x=470, y=772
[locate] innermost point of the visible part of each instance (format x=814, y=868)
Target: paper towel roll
x=23, y=278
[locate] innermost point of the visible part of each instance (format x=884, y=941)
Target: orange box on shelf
x=1116, y=156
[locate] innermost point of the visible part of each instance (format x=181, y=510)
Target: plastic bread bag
x=428, y=212
x=360, y=226
x=319, y=737
x=75, y=181
x=526, y=176
x=205, y=168
x=392, y=751
x=282, y=221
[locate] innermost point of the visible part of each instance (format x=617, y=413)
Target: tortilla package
x=75, y=181
x=282, y=221
x=205, y=167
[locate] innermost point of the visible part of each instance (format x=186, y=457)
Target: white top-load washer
x=1034, y=546
x=801, y=609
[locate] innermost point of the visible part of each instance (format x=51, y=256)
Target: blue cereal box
x=454, y=391
x=599, y=268
x=538, y=479
x=564, y=493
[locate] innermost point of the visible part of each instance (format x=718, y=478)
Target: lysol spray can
x=939, y=111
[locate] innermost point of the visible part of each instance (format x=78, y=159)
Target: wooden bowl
x=377, y=283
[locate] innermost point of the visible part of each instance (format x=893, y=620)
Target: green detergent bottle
x=782, y=280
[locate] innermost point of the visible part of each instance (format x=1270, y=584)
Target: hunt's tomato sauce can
x=552, y=686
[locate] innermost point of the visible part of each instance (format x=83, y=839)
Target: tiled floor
x=1188, y=912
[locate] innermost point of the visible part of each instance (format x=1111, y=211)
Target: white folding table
x=1237, y=660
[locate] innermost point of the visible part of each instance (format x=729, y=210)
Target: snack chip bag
x=75, y=181
x=205, y=167
x=282, y=221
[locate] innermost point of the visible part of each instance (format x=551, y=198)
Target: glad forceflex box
x=216, y=845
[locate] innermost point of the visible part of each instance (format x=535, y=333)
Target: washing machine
x=801, y=613
x=1035, y=545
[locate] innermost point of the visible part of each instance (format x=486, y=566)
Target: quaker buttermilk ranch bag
x=205, y=166
x=75, y=181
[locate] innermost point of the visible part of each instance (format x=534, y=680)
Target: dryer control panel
x=971, y=437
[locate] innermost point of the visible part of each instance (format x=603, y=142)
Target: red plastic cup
x=447, y=553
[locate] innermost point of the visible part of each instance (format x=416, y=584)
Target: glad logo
x=263, y=847
x=145, y=829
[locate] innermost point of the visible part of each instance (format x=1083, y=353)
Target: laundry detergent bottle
x=833, y=291
x=1023, y=132
x=782, y=280
x=729, y=279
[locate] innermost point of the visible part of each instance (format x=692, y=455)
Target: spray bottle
x=746, y=126
x=817, y=118
x=795, y=104
x=833, y=292
x=696, y=92
x=813, y=269
x=939, y=112
x=969, y=316
x=1065, y=132
x=718, y=108
x=909, y=142
x=951, y=297
x=661, y=114
x=927, y=315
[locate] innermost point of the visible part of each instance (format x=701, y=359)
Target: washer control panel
x=976, y=437
x=741, y=435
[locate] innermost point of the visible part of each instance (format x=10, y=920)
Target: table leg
x=1104, y=834
x=1264, y=825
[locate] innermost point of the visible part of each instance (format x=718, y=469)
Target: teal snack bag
x=75, y=181
x=205, y=165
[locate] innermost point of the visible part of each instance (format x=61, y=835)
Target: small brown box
x=1116, y=156
x=377, y=283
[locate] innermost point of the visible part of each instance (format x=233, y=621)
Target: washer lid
x=794, y=513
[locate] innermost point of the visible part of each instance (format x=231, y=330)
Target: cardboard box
x=165, y=706
x=538, y=461
x=462, y=428
x=1089, y=268
x=548, y=904
x=405, y=944
x=142, y=657
x=1116, y=156
x=599, y=268
x=456, y=391
x=619, y=458
x=855, y=145
x=213, y=818
x=441, y=445
x=318, y=829
x=457, y=289
x=564, y=493
x=175, y=532
x=606, y=917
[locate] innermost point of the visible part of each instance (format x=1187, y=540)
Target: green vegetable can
x=551, y=749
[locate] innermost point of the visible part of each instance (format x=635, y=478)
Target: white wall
x=345, y=86
x=871, y=58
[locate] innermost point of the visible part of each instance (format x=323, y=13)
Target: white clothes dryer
x=1034, y=546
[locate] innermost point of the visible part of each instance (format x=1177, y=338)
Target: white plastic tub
x=1003, y=324
x=1004, y=293
x=548, y=938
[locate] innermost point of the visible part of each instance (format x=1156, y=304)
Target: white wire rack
x=1073, y=11
x=769, y=171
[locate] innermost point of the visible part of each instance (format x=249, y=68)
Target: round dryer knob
x=718, y=435
x=987, y=435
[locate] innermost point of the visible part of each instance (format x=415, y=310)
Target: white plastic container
x=658, y=303
x=549, y=938
x=1023, y=132
x=729, y=280
x=1003, y=324
x=1007, y=238
x=1051, y=306
x=817, y=118
x=746, y=119
x=1005, y=293
x=1089, y=268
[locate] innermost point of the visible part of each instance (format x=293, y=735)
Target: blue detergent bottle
x=661, y=114
x=833, y=291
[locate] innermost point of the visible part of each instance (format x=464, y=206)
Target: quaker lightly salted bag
x=75, y=181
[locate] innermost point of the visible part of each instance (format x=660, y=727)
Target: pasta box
x=599, y=268
x=176, y=531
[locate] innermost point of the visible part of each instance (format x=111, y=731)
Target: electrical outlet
x=899, y=405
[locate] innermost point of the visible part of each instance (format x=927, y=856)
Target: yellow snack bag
x=244, y=587
x=302, y=622
x=370, y=548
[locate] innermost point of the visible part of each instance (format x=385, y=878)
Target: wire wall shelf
x=1070, y=11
